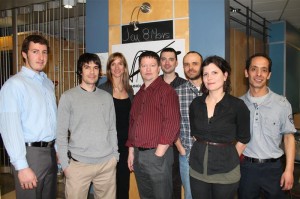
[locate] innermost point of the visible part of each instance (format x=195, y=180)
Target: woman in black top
x=220, y=126
x=117, y=85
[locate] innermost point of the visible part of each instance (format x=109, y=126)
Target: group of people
x=173, y=132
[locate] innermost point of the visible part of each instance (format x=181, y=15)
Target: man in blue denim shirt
x=28, y=123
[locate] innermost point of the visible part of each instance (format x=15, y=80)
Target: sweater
x=90, y=119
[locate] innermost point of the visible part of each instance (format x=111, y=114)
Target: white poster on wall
x=132, y=52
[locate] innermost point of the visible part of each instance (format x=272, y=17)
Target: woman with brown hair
x=117, y=85
x=220, y=126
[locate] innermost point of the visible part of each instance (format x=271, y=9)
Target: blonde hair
x=125, y=79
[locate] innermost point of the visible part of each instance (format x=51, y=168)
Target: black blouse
x=122, y=107
x=229, y=123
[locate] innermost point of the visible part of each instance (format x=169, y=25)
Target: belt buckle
x=261, y=161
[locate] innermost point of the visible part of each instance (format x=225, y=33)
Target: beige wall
x=176, y=10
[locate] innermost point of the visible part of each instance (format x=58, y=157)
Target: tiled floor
x=7, y=186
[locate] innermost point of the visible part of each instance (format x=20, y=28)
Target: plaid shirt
x=186, y=93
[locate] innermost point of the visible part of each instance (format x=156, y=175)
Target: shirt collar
x=224, y=101
x=194, y=88
x=248, y=95
x=162, y=76
x=30, y=73
x=153, y=85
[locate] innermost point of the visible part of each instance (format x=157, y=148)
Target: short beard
x=196, y=77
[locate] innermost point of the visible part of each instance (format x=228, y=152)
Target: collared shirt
x=154, y=116
x=269, y=121
x=27, y=113
x=229, y=123
x=177, y=81
x=186, y=93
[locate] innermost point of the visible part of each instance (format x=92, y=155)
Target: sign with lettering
x=154, y=31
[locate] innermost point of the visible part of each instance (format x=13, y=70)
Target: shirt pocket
x=271, y=126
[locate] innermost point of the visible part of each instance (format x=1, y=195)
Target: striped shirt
x=154, y=116
x=186, y=93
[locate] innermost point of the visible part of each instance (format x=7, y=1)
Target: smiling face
x=37, y=56
x=258, y=73
x=90, y=73
x=191, y=65
x=149, y=69
x=168, y=62
x=117, y=68
x=213, y=77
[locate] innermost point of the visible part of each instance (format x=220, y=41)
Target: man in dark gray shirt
x=169, y=62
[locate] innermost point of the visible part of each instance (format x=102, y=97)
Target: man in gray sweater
x=86, y=134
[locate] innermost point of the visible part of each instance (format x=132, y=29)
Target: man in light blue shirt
x=271, y=122
x=28, y=123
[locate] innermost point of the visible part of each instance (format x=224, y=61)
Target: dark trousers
x=153, y=174
x=123, y=175
x=203, y=190
x=176, y=176
x=43, y=163
x=260, y=179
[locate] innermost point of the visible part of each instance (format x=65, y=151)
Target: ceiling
x=272, y=10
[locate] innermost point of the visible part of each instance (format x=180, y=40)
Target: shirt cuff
x=20, y=164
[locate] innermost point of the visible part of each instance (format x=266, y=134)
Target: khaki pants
x=80, y=176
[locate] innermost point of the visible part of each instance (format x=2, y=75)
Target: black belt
x=212, y=143
x=144, y=149
x=41, y=144
x=255, y=160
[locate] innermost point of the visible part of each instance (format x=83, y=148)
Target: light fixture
x=232, y=9
x=69, y=3
x=135, y=27
x=145, y=8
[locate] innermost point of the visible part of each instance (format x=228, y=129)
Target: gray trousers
x=42, y=161
x=153, y=174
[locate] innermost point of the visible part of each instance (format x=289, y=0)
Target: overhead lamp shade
x=69, y=3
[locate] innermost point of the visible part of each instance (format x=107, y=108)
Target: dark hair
x=35, y=39
x=249, y=60
x=125, y=79
x=169, y=50
x=86, y=58
x=223, y=65
x=151, y=54
x=193, y=52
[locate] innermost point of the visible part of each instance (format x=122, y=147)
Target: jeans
x=185, y=175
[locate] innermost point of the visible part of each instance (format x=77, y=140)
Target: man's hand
x=27, y=178
x=287, y=180
x=130, y=159
x=66, y=173
x=180, y=148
